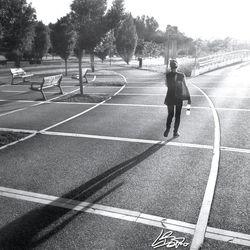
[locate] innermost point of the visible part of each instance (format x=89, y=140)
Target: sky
x=206, y=19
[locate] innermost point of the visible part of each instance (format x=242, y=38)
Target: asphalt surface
x=110, y=154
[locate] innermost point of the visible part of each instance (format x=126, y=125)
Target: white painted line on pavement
x=164, y=87
x=213, y=96
x=237, y=150
x=85, y=111
x=112, y=138
x=15, y=142
x=122, y=139
x=18, y=130
x=42, y=102
x=36, y=104
x=13, y=111
x=6, y=100
x=201, y=225
x=67, y=93
x=72, y=117
x=147, y=105
x=25, y=91
x=124, y=214
x=123, y=77
x=13, y=91
x=126, y=104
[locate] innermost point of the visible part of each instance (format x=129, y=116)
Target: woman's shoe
x=176, y=134
x=166, y=132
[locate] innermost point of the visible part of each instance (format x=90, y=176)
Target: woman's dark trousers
x=171, y=115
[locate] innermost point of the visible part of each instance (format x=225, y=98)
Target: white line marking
x=13, y=91
x=122, y=139
x=201, y=225
x=123, y=77
x=67, y=93
x=72, y=117
x=164, y=87
x=28, y=91
x=36, y=104
x=18, y=130
x=85, y=111
x=6, y=100
x=213, y=96
x=238, y=150
x=42, y=102
x=124, y=214
x=126, y=104
x=14, y=111
x=15, y=142
x=112, y=138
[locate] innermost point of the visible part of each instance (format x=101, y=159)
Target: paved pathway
x=111, y=161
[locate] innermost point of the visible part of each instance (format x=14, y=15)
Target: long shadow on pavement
x=40, y=224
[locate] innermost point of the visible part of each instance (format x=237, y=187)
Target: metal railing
x=208, y=63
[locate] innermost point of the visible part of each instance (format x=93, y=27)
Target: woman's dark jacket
x=171, y=79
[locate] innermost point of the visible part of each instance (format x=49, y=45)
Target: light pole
x=171, y=31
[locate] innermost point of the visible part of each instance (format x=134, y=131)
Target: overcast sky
x=207, y=19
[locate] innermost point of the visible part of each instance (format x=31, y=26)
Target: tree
x=115, y=14
x=17, y=19
x=62, y=38
x=106, y=46
x=146, y=27
x=41, y=41
x=126, y=40
x=88, y=20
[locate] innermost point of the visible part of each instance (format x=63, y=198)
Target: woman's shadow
x=40, y=224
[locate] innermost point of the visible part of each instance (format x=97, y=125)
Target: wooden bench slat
x=19, y=73
x=84, y=75
x=48, y=82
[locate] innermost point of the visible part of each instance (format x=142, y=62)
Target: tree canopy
x=62, y=38
x=115, y=14
x=88, y=21
x=146, y=27
x=41, y=41
x=126, y=40
x=17, y=19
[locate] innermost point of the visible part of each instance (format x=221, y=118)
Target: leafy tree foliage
x=62, y=38
x=88, y=17
x=126, y=39
x=17, y=20
x=146, y=27
x=106, y=46
x=41, y=41
x=89, y=23
x=115, y=14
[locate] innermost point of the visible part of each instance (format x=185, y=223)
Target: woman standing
x=172, y=101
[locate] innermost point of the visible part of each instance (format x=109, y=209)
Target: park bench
x=19, y=73
x=48, y=82
x=84, y=75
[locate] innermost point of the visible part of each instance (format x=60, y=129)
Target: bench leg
x=86, y=79
x=44, y=97
x=12, y=81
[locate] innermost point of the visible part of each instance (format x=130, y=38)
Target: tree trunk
x=92, y=61
x=66, y=67
x=80, y=72
x=109, y=57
